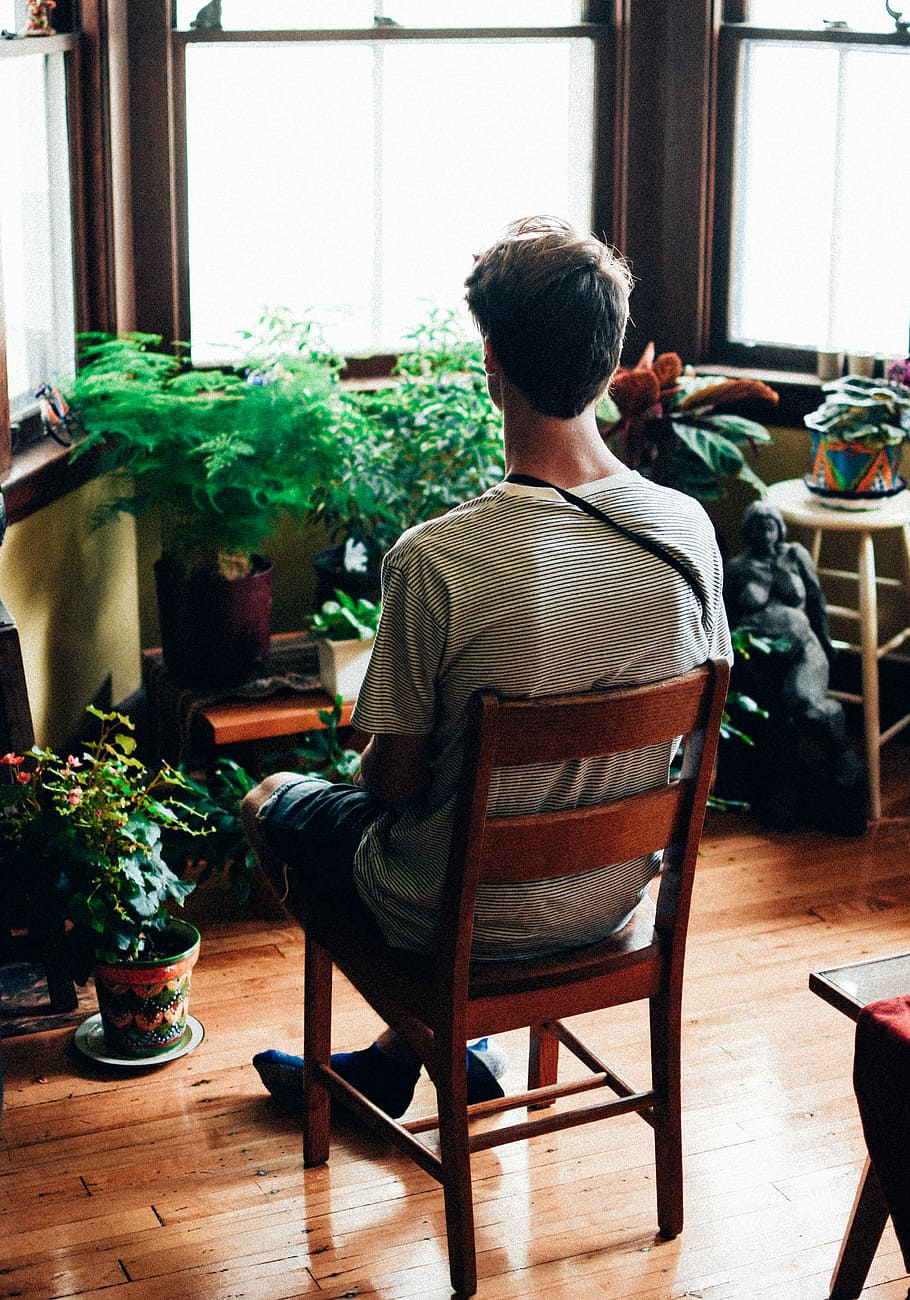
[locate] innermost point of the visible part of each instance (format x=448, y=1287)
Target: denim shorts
x=315, y=827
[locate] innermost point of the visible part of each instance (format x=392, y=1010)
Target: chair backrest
x=554, y=729
x=16, y=731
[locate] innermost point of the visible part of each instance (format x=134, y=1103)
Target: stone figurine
x=772, y=589
x=802, y=768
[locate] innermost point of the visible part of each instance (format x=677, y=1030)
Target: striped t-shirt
x=523, y=593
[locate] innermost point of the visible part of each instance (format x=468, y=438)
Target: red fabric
x=881, y=1080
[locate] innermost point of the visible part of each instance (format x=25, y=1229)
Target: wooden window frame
x=731, y=37
x=34, y=470
x=598, y=27
x=662, y=106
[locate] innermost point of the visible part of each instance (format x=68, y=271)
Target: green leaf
x=738, y=429
x=711, y=447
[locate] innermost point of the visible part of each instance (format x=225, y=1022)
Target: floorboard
x=184, y=1181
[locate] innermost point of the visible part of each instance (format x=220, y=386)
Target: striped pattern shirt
x=521, y=592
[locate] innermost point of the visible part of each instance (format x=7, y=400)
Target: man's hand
x=395, y=768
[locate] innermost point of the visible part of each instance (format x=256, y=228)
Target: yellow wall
x=74, y=596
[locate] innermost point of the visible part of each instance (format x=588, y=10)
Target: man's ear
x=494, y=374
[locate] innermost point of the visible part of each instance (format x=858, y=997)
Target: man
x=521, y=591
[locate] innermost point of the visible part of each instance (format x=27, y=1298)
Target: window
x=35, y=225
x=812, y=183
x=347, y=175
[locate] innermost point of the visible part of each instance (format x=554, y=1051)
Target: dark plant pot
x=331, y=575
x=215, y=631
x=144, y=1004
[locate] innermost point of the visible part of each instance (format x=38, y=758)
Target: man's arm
x=395, y=768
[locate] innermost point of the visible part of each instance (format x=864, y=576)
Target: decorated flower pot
x=144, y=1004
x=342, y=666
x=852, y=473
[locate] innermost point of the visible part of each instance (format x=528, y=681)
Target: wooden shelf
x=237, y=722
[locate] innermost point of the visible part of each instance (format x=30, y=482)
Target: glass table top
x=850, y=988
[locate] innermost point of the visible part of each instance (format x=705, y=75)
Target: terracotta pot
x=144, y=1004
x=215, y=631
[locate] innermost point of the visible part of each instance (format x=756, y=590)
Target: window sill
x=42, y=471
x=40, y=474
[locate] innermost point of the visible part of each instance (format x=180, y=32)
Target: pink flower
x=73, y=762
x=75, y=797
x=23, y=777
x=12, y=760
x=899, y=373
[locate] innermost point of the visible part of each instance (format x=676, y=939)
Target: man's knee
x=254, y=799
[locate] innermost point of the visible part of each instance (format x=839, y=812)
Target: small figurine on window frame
x=57, y=419
x=39, y=18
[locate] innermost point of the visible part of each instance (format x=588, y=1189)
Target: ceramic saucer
x=89, y=1038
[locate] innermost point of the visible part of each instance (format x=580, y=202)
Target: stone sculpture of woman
x=803, y=768
x=772, y=589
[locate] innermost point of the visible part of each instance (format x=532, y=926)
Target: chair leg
x=543, y=1061
x=665, y=1078
x=458, y=1193
x=317, y=1044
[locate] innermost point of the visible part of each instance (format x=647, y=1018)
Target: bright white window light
x=860, y=15
x=819, y=202
x=278, y=15
x=37, y=273
x=351, y=182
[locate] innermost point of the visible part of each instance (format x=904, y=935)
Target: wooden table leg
x=864, y=1231
x=868, y=613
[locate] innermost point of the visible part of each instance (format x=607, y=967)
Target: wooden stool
x=798, y=506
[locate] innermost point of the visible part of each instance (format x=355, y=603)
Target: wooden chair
x=438, y=1003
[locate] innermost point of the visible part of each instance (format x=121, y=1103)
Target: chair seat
x=358, y=948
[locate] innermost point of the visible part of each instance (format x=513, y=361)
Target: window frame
x=732, y=35
x=599, y=29
x=662, y=107
x=34, y=470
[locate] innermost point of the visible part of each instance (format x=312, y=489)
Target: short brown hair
x=553, y=303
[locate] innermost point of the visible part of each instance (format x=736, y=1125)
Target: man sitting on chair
x=523, y=592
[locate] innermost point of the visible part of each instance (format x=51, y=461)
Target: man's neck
x=565, y=453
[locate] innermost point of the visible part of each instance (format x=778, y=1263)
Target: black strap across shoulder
x=646, y=543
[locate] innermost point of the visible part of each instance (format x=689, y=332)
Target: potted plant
x=680, y=429
x=344, y=630
x=417, y=446
x=858, y=436
x=81, y=847
x=222, y=455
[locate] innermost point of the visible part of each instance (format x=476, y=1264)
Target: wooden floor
x=185, y=1182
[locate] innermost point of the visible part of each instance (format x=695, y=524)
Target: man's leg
x=309, y=829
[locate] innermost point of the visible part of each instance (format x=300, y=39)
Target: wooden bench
x=255, y=722
x=194, y=725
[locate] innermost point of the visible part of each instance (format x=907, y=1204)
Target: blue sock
x=387, y=1082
